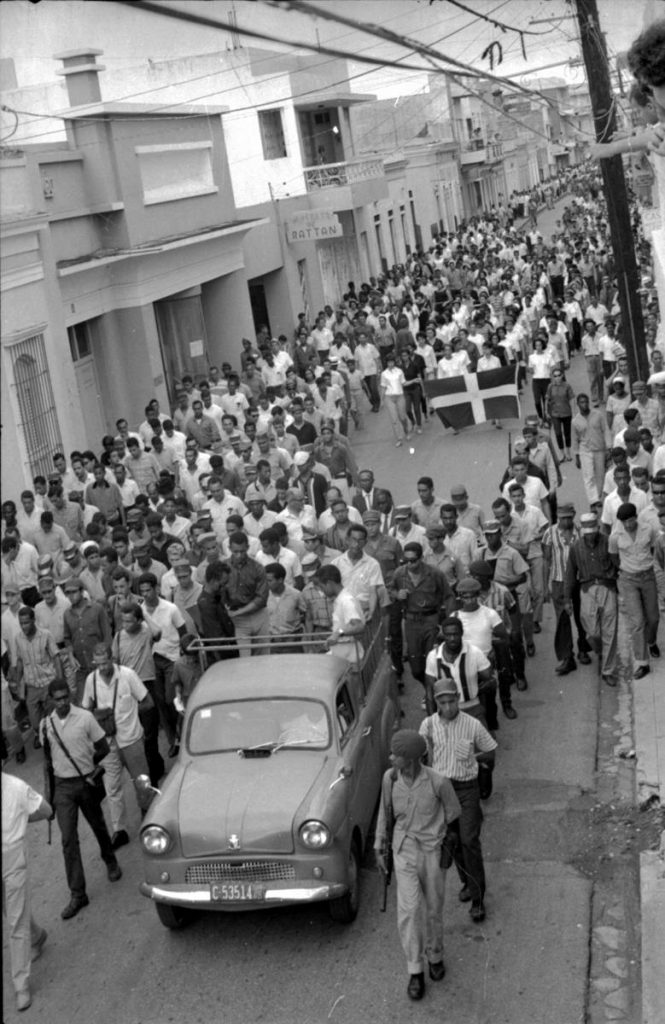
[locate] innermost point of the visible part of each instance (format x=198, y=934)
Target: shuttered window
x=38, y=418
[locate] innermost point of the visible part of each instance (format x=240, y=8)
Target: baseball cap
x=253, y=494
x=492, y=526
x=445, y=686
x=402, y=512
x=371, y=516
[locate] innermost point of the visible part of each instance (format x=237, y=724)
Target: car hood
x=229, y=803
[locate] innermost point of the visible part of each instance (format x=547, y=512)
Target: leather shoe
x=114, y=872
x=583, y=658
x=509, y=711
x=654, y=650
x=564, y=667
x=173, y=750
x=75, y=904
x=38, y=946
x=537, y=627
x=119, y=839
x=477, y=912
x=416, y=987
x=521, y=683
x=437, y=971
x=465, y=895
x=23, y=999
x=641, y=672
x=531, y=650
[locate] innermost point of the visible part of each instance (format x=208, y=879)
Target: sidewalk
x=649, y=725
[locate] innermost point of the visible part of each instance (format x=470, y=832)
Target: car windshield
x=264, y=724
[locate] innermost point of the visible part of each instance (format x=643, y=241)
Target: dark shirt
x=589, y=565
x=246, y=583
x=84, y=629
x=429, y=592
x=215, y=622
x=304, y=434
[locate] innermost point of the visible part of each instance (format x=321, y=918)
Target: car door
x=356, y=743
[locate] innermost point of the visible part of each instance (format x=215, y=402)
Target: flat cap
x=468, y=586
x=402, y=512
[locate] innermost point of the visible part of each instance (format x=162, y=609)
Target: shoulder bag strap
x=63, y=747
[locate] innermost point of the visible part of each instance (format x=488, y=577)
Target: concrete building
x=123, y=268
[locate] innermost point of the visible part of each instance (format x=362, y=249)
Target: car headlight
x=155, y=839
x=315, y=835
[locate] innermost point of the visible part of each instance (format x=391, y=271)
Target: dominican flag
x=475, y=397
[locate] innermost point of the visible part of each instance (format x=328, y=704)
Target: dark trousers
x=72, y=795
x=163, y=694
x=563, y=637
x=421, y=636
x=539, y=386
x=504, y=669
x=517, y=652
x=372, y=390
x=561, y=427
x=469, y=854
x=150, y=723
x=412, y=400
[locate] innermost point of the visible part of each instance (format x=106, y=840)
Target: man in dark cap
x=459, y=745
x=590, y=567
x=416, y=810
x=557, y=541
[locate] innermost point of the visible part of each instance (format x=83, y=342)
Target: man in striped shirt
x=457, y=745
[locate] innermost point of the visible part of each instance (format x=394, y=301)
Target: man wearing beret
x=417, y=807
x=459, y=745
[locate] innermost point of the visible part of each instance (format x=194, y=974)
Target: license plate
x=236, y=892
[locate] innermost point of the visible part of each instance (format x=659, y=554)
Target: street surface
x=528, y=963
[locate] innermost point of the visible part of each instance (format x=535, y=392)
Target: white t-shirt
x=393, y=382
x=167, y=619
x=478, y=626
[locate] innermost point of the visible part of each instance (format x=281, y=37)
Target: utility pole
x=614, y=182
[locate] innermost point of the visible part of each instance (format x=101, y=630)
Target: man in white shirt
x=221, y=504
x=119, y=690
x=348, y=621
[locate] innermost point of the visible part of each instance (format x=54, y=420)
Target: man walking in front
x=416, y=809
x=458, y=744
x=74, y=743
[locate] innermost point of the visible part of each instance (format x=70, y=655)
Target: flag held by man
x=475, y=398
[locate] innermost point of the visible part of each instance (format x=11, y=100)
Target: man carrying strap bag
x=75, y=743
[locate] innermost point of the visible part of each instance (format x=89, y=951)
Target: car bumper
x=274, y=894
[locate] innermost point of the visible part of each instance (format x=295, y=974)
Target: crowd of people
x=242, y=517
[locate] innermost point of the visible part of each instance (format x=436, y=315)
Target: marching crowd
x=243, y=517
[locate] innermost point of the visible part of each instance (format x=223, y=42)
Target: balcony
x=477, y=151
x=346, y=173
x=346, y=185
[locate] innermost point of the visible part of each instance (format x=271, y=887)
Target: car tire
x=345, y=909
x=173, y=917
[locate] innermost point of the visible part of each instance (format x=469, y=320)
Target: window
x=37, y=420
x=80, y=340
x=344, y=710
x=272, y=134
x=177, y=171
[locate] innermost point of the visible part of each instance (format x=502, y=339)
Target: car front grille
x=239, y=871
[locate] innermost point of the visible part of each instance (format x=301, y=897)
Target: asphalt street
x=527, y=963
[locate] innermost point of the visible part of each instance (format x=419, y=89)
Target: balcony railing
x=477, y=151
x=346, y=173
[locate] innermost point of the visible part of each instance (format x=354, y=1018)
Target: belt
x=469, y=784
x=420, y=615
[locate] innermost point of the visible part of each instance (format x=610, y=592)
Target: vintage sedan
x=273, y=793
